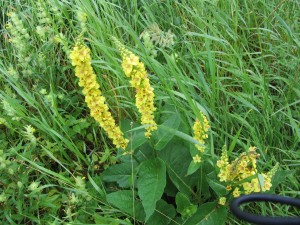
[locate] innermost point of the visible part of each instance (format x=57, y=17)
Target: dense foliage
x=147, y=112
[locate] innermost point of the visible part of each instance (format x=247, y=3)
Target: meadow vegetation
x=147, y=112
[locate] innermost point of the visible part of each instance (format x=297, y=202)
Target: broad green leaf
x=193, y=167
x=208, y=214
x=151, y=183
x=182, y=201
x=135, y=133
x=177, y=158
x=219, y=189
x=142, y=153
x=139, y=211
x=137, y=140
x=109, y=220
x=181, y=135
x=119, y=173
x=163, y=214
x=193, y=149
x=163, y=136
x=184, y=206
x=170, y=188
x=123, y=200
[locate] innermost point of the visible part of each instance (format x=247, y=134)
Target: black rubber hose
x=264, y=220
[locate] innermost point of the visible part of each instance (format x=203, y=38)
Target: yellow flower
x=236, y=192
x=228, y=187
x=200, y=134
x=244, y=167
x=197, y=159
x=81, y=59
x=200, y=129
x=144, y=98
x=222, y=201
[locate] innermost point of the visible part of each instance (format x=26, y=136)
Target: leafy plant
x=204, y=75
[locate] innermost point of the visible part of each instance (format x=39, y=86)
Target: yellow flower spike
x=200, y=131
x=144, y=98
x=81, y=59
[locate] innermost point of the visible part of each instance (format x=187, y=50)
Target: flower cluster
x=82, y=18
x=3, y=121
x=200, y=129
x=61, y=39
x=20, y=38
x=10, y=110
x=12, y=73
x=148, y=44
x=159, y=37
x=81, y=59
x=44, y=27
x=56, y=9
x=29, y=134
x=144, y=97
x=242, y=174
x=6, y=164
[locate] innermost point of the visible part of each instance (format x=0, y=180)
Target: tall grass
x=237, y=61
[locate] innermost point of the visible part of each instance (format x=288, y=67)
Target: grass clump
x=202, y=75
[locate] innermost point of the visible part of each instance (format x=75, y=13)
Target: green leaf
x=123, y=200
x=184, y=206
x=151, y=183
x=219, y=189
x=77, y=129
x=177, y=158
x=109, y=220
x=138, y=139
x=208, y=214
x=193, y=167
x=94, y=182
x=261, y=180
x=142, y=153
x=164, y=136
x=134, y=132
x=163, y=214
x=119, y=173
x=182, y=202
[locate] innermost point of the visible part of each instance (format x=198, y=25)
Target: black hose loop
x=264, y=220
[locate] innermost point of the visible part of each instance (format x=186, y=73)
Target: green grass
x=237, y=61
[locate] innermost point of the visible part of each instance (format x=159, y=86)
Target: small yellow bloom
x=252, y=149
x=197, y=159
x=228, y=187
x=236, y=192
x=222, y=201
